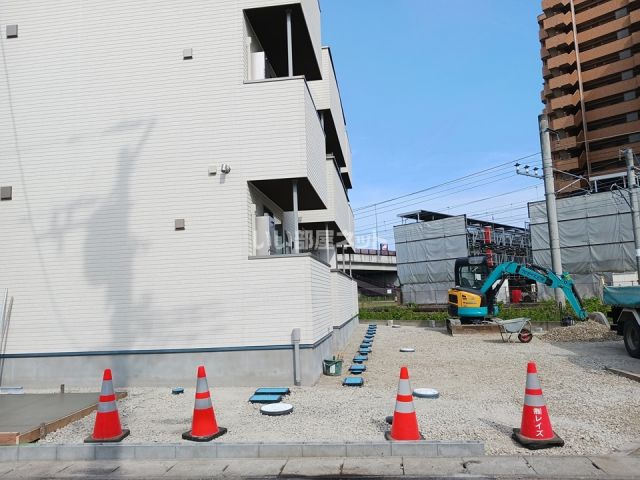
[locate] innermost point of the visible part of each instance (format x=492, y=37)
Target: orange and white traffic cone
x=204, y=427
x=535, y=431
x=107, y=427
x=405, y=423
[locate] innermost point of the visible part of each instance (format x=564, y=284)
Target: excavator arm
x=541, y=275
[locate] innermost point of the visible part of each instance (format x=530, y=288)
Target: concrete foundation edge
x=30, y=453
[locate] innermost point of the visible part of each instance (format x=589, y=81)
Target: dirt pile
x=588, y=331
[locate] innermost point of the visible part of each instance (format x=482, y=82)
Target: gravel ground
x=481, y=383
x=588, y=331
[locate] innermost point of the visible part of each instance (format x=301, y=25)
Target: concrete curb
x=180, y=451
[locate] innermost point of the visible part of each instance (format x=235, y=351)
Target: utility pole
x=550, y=197
x=633, y=203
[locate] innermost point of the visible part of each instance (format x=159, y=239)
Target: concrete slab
x=618, y=465
x=460, y=448
x=280, y=450
x=89, y=469
x=154, y=452
x=199, y=468
x=76, y=452
x=196, y=450
x=254, y=467
x=37, y=469
x=369, y=449
x=558, y=466
x=22, y=415
x=321, y=449
x=142, y=469
x=389, y=466
x=238, y=450
x=313, y=467
x=501, y=465
x=414, y=449
x=441, y=466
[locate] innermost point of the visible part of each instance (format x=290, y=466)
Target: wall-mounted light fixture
x=225, y=168
x=187, y=54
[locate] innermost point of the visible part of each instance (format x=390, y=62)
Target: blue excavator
x=473, y=299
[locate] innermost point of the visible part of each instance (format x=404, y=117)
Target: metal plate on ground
x=407, y=349
x=426, y=393
x=276, y=409
x=265, y=398
x=272, y=391
x=353, y=382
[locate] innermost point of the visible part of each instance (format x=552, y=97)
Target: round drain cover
x=395, y=326
x=275, y=409
x=407, y=349
x=177, y=390
x=426, y=393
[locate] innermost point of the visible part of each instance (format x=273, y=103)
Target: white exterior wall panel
x=106, y=140
x=345, y=297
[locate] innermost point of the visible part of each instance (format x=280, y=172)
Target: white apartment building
x=156, y=161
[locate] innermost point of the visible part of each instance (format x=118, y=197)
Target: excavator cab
x=466, y=301
x=471, y=272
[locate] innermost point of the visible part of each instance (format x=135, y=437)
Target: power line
x=372, y=205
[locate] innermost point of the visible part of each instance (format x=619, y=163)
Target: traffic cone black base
x=125, y=433
x=532, y=444
x=387, y=435
x=187, y=435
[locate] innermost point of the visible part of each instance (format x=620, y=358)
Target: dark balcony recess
x=280, y=192
x=332, y=141
x=270, y=26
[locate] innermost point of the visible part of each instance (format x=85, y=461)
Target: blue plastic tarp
x=622, y=296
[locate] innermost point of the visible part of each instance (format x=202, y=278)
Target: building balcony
x=565, y=101
x=562, y=123
x=614, y=131
x=609, y=27
x=609, y=48
x=326, y=96
x=566, y=80
x=563, y=60
x=283, y=141
x=544, y=53
x=613, y=110
x=599, y=10
x=546, y=73
x=548, y=4
x=559, y=19
x=266, y=40
x=564, y=144
x=559, y=39
x=568, y=164
x=612, y=153
x=611, y=68
x=338, y=216
x=612, y=89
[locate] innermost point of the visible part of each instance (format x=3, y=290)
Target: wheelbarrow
x=516, y=326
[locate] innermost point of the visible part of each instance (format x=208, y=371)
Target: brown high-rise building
x=591, y=66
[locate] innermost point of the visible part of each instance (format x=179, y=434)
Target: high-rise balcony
x=564, y=101
x=564, y=144
x=613, y=110
x=615, y=131
x=559, y=19
x=611, y=68
x=562, y=123
x=566, y=80
x=562, y=60
x=612, y=89
x=609, y=48
x=599, y=10
x=547, y=4
x=559, y=39
x=609, y=27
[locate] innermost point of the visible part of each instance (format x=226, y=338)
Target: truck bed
x=622, y=296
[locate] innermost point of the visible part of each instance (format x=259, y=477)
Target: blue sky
x=434, y=91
